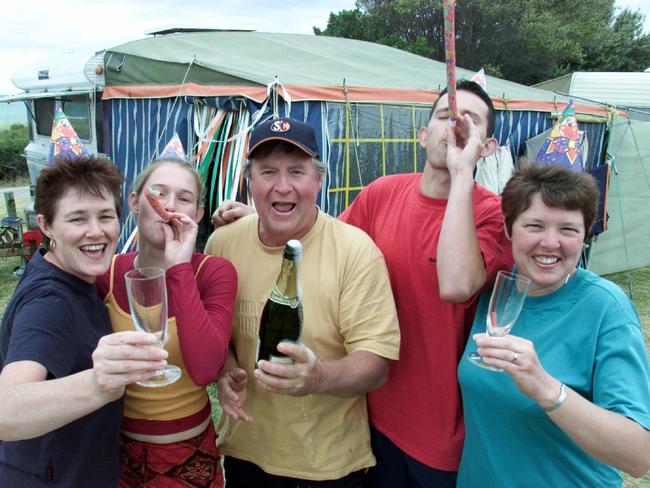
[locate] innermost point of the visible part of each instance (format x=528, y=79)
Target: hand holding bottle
x=231, y=390
x=301, y=378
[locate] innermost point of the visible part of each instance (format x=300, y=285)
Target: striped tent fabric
x=359, y=142
x=372, y=140
x=139, y=130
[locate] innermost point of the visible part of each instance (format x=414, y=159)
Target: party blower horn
x=449, y=7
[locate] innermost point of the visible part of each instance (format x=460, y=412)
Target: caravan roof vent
x=94, y=69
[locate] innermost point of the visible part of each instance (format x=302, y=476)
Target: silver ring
x=514, y=357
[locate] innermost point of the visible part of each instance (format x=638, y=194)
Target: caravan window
x=76, y=109
x=44, y=110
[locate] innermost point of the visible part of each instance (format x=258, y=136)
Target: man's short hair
x=475, y=88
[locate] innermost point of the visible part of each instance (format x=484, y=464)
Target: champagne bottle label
x=280, y=359
x=278, y=297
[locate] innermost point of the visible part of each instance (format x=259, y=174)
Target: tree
x=625, y=48
x=12, y=144
x=526, y=41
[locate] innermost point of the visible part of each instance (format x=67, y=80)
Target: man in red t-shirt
x=443, y=241
x=442, y=238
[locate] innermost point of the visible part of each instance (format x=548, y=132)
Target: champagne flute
x=506, y=302
x=147, y=294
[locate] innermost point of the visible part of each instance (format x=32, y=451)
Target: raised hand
x=464, y=145
x=229, y=211
x=180, y=238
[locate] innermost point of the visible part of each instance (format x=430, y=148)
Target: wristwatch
x=560, y=400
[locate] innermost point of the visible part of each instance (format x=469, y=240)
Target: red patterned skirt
x=192, y=463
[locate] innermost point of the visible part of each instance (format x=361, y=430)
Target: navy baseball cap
x=292, y=131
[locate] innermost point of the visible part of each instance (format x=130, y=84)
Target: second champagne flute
x=506, y=302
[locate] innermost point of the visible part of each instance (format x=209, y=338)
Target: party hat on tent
x=65, y=141
x=562, y=146
x=174, y=149
x=480, y=79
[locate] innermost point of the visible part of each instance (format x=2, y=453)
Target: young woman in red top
x=168, y=436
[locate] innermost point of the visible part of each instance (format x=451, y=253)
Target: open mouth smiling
x=93, y=250
x=546, y=260
x=283, y=207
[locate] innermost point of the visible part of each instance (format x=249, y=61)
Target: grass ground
x=8, y=280
x=21, y=181
x=638, y=280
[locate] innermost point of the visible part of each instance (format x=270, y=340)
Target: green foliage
x=624, y=48
x=526, y=41
x=12, y=144
x=8, y=280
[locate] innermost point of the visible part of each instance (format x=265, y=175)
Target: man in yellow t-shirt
x=306, y=423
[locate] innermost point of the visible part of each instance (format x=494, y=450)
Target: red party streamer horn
x=450, y=55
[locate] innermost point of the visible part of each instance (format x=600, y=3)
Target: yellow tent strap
x=415, y=139
x=383, y=140
x=347, y=144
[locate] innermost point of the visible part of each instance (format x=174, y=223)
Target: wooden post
x=10, y=203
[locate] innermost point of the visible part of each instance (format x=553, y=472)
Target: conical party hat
x=65, y=141
x=174, y=149
x=480, y=79
x=563, y=143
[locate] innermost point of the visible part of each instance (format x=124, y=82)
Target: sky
x=34, y=30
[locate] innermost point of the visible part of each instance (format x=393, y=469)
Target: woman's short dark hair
x=559, y=187
x=89, y=175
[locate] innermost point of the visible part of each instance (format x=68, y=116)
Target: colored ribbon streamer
x=450, y=56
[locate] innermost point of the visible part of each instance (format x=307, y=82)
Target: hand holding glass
x=147, y=294
x=506, y=302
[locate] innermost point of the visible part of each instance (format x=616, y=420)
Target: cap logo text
x=280, y=126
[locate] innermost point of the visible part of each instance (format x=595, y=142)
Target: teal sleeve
x=622, y=374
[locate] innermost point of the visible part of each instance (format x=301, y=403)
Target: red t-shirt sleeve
x=494, y=245
x=203, y=308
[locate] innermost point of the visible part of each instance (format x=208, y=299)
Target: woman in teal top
x=572, y=406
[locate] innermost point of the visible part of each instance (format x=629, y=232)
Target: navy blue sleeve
x=43, y=332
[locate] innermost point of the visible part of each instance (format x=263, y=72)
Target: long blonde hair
x=146, y=173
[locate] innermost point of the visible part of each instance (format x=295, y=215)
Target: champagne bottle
x=282, y=316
